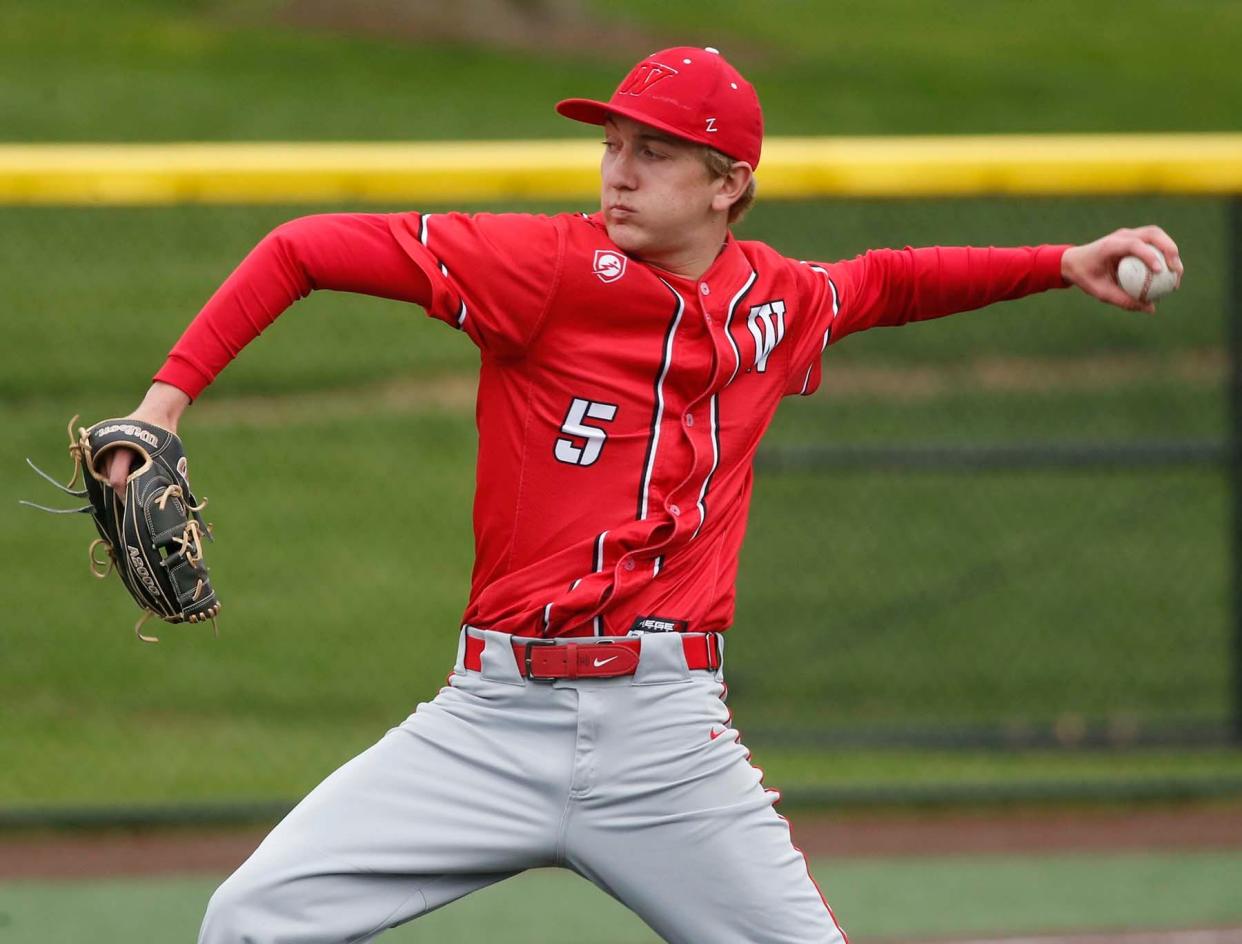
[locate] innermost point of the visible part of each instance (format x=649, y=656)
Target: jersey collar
x=729, y=271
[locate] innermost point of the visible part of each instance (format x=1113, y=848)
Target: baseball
x=1141, y=283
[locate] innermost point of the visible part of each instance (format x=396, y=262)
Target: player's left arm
x=893, y=287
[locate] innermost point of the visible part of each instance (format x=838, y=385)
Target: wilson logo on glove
x=129, y=429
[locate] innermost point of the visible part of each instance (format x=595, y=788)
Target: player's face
x=656, y=193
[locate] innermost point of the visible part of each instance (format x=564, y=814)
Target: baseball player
x=630, y=361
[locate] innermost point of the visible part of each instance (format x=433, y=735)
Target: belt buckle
x=530, y=670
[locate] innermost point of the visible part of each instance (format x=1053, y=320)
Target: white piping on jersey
x=737, y=355
x=715, y=402
x=598, y=563
x=655, y=568
x=836, y=307
x=712, y=471
x=422, y=238
x=658, y=418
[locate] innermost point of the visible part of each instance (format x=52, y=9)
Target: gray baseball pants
x=637, y=783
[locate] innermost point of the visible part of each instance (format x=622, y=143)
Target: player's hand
x=162, y=406
x=1093, y=266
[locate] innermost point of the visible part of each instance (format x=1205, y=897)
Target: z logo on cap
x=645, y=75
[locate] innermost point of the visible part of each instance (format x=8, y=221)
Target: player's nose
x=618, y=172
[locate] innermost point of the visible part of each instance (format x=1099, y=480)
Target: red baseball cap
x=689, y=93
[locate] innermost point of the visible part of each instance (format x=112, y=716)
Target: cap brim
x=591, y=112
x=586, y=110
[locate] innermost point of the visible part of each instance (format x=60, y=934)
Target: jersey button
x=629, y=564
x=674, y=510
x=689, y=419
x=703, y=287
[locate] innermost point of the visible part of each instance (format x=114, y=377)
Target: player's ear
x=732, y=185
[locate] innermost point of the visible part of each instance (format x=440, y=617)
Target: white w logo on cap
x=645, y=75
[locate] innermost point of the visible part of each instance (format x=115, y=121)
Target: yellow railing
x=552, y=170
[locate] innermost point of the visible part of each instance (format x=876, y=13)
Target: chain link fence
x=991, y=558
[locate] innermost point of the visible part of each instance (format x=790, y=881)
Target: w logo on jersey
x=645, y=75
x=767, y=327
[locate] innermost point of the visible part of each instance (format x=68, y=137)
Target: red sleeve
x=888, y=287
x=342, y=252
x=492, y=275
x=891, y=287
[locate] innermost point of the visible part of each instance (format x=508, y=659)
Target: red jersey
x=619, y=405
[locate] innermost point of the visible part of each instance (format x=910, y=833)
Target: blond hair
x=718, y=165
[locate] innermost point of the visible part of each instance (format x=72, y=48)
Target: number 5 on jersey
x=587, y=441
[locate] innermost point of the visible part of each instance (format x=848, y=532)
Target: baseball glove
x=154, y=539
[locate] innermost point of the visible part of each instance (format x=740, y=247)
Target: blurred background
x=1000, y=545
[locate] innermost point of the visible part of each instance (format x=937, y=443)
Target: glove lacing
x=190, y=546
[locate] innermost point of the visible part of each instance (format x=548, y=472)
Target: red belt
x=545, y=659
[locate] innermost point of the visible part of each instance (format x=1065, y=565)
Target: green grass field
x=337, y=452
x=929, y=598
x=872, y=898
x=224, y=69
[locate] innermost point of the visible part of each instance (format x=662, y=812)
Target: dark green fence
x=992, y=559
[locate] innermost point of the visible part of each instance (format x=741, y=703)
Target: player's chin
x=628, y=236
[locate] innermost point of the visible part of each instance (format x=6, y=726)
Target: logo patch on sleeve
x=659, y=624
x=609, y=265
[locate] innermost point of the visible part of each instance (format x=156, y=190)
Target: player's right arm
x=888, y=287
x=342, y=252
x=893, y=287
